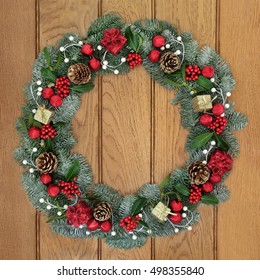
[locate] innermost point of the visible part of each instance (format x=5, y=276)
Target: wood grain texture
x=239, y=218
x=17, y=218
x=126, y=126
x=200, y=18
x=56, y=19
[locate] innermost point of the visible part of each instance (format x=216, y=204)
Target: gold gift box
x=202, y=103
x=43, y=115
x=161, y=211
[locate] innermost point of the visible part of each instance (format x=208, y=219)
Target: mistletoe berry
x=47, y=131
x=70, y=189
x=47, y=93
x=206, y=119
x=207, y=187
x=158, y=41
x=106, y=226
x=46, y=178
x=154, y=55
x=92, y=225
x=218, y=109
x=192, y=72
x=195, y=194
x=176, y=218
x=62, y=85
x=176, y=205
x=134, y=59
x=34, y=132
x=94, y=64
x=53, y=190
x=208, y=71
x=56, y=101
x=87, y=49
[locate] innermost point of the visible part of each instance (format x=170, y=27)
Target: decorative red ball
x=218, y=109
x=34, y=132
x=46, y=178
x=206, y=119
x=207, y=187
x=87, y=49
x=208, y=71
x=56, y=101
x=176, y=219
x=176, y=205
x=94, y=64
x=158, y=41
x=53, y=190
x=47, y=93
x=214, y=178
x=154, y=55
x=92, y=224
x=106, y=226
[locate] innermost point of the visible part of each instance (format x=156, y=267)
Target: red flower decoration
x=220, y=162
x=78, y=214
x=113, y=40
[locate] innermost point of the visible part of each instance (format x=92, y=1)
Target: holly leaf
x=204, y=82
x=30, y=120
x=47, y=56
x=37, y=124
x=134, y=40
x=183, y=72
x=172, y=83
x=209, y=199
x=59, y=60
x=23, y=124
x=221, y=143
x=48, y=75
x=55, y=218
x=138, y=205
x=143, y=223
x=48, y=145
x=182, y=189
x=73, y=171
x=165, y=181
x=83, y=88
x=201, y=140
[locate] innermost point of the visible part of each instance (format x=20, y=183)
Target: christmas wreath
x=60, y=184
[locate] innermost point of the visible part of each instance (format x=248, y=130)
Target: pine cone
x=199, y=173
x=102, y=212
x=79, y=73
x=169, y=62
x=46, y=163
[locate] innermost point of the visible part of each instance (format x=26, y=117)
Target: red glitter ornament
x=62, y=85
x=176, y=205
x=45, y=178
x=134, y=59
x=154, y=55
x=55, y=101
x=218, y=109
x=70, y=189
x=34, y=132
x=208, y=71
x=87, y=49
x=53, y=190
x=195, y=194
x=192, y=72
x=47, y=131
x=94, y=64
x=158, y=41
x=175, y=219
x=207, y=187
x=214, y=178
x=105, y=226
x=206, y=119
x=47, y=93
x=92, y=225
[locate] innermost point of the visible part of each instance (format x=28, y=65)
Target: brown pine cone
x=46, y=163
x=199, y=173
x=169, y=62
x=102, y=212
x=79, y=73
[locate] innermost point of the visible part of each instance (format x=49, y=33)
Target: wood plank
x=238, y=219
x=18, y=219
x=56, y=19
x=126, y=126
x=198, y=17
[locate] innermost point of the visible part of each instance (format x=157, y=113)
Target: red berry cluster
x=62, y=85
x=134, y=59
x=192, y=72
x=70, y=189
x=129, y=223
x=195, y=194
x=47, y=131
x=218, y=124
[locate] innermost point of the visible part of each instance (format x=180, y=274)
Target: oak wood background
x=127, y=128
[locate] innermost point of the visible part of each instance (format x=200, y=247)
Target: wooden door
x=123, y=123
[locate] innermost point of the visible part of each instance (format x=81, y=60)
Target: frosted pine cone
x=79, y=73
x=199, y=173
x=169, y=62
x=46, y=163
x=102, y=212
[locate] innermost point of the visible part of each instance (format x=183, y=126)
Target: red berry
x=53, y=190
x=158, y=41
x=214, y=178
x=207, y=187
x=46, y=178
x=208, y=71
x=47, y=93
x=87, y=49
x=218, y=109
x=176, y=205
x=56, y=101
x=105, y=226
x=92, y=224
x=154, y=55
x=34, y=132
x=176, y=218
x=94, y=64
x=206, y=119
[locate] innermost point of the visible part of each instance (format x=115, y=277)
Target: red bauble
x=34, y=132
x=94, y=64
x=208, y=71
x=92, y=224
x=206, y=119
x=105, y=226
x=154, y=55
x=53, y=190
x=218, y=109
x=56, y=101
x=47, y=93
x=46, y=178
x=87, y=49
x=176, y=219
x=176, y=205
x=158, y=41
x=207, y=187
x=214, y=178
